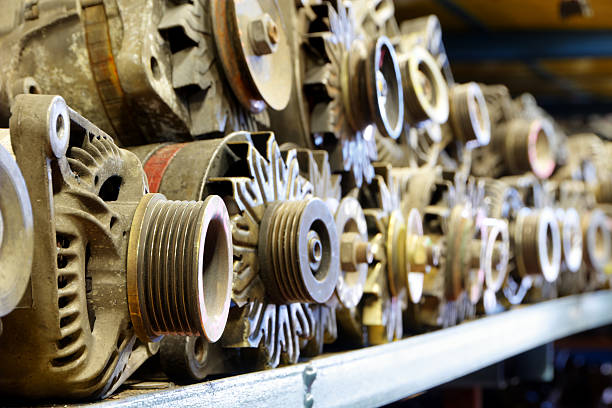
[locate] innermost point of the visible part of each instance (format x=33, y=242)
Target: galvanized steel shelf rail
x=378, y=375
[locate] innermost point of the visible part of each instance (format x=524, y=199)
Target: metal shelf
x=378, y=375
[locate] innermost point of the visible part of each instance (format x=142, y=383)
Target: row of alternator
x=389, y=200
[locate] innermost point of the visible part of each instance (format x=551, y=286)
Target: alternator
x=285, y=242
x=104, y=250
x=345, y=87
x=153, y=70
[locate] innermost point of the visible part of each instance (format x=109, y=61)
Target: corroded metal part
x=16, y=231
x=147, y=71
x=346, y=87
x=355, y=249
x=527, y=147
x=427, y=32
x=524, y=139
x=188, y=359
x=403, y=256
x=409, y=254
x=76, y=336
x=298, y=251
x=474, y=247
x=381, y=310
x=263, y=189
x=254, y=51
x=376, y=18
x=179, y=273
x=464, y=254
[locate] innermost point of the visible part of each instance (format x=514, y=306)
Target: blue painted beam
x=462, y=14
x=527, y=45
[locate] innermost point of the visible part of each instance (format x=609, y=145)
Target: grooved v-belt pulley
x=114, y=268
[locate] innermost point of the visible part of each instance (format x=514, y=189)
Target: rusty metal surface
x=381, y=198
x=147, y=70
x=79, y=327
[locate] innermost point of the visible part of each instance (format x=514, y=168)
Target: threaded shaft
x=184, y=269
x=299, y=253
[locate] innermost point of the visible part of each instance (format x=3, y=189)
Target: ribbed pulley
x=299, y=251
x=180, y=267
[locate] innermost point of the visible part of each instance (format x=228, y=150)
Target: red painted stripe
x=157, y=164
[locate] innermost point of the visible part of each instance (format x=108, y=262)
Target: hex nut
x=264, y=35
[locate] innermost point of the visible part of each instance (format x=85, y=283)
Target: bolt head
x=264, y=35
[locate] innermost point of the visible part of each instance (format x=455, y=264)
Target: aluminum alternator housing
x=96, y=308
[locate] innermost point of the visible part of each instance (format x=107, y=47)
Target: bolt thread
x=284, y=250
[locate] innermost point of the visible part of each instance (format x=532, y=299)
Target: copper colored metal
x=527, y=147
x=299, y=251
x=179, y=268
x=101, y=247
x=258, y=78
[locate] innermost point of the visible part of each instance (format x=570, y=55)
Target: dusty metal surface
x=389, y=196
x=76, y=334
x=147, y=70
x=16, y=231
x=346, y=85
